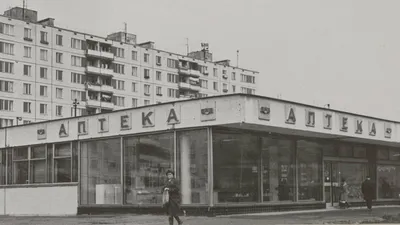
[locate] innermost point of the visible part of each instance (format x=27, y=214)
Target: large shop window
x=353, y=174
x=146, y=159
x=309, y=156
x=388, y=174
x=278, y=167
x=192, y=166
x=101, y=172
x=236, y=167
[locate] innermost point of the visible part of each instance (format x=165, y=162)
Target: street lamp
x=18, y=119
x=75, y=103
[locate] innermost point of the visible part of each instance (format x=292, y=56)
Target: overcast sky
x=342, y=52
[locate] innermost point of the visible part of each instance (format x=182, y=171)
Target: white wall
x=60, y=200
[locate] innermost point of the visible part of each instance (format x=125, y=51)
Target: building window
x=204, y=84
x=225, y=87
x=158, y=60
x=43, y=73
x=146, y=73
x=77, y=44
x=233, y=76
x=119, y=101
x=146, y=102
x=6, y=48
x=59, y=57
x=28, y=34
x=134, y=71
x=158, y=75
x=6, y=67
x=59, y=93
x=134, y=102
x=172, y=63
x=78, y=78
x=27, y=89
x=59, y=110
x=27, y=107
x=59, y=75
x=147, y=89
x=6, y=86
x=6, y=122
x=233, y=88
x=43, y=91
x=246, y=90
x=7, y=29
x=172, y=78
x=134, y=55
x=78, y=61
x=247, y=79
x=159, y=91
x=134, y=87
x=27, y=70
x=215, y=86
x=79, y=95
x=43, y=109
x=215, y=72
x=59, y=40
x=64, y=171
x=26, y=121
x=119, y=68
x=118, y=84
x=119, y=52
x=146, y=57
x=27, y=52
x=43, y=54
x=100, y=167
x=173, y=93
x=43, y=37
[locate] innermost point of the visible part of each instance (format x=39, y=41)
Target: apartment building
x=45, y=69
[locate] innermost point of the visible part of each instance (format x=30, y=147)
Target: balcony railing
x=98, y=70
x=189, y=72
x=188, y=86
x=100, y=54
x=94, y=103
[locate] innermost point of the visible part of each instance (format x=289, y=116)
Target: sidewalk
x=331, y=216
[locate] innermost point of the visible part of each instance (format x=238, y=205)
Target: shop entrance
x=331, y=183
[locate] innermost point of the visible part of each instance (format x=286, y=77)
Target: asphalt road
x=349, y=216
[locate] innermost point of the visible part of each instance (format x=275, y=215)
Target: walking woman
x=172, y=206
x=344, y=195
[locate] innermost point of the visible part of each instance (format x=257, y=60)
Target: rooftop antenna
x=187, y=46
x=237, y=58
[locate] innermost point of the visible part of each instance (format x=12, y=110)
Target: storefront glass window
x=383, y=154
x=309, y=156
x=360, y=152
x=62, y=163
x=192, y=166
x=3, y=166
x=236, y=167
x=345, y=150
x=394, y=155
x=101, y=172
x=278, y=168
x=146, y=160
x=388, y=181
x=353, y=174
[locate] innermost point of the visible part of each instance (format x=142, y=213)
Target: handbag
x=165, y=197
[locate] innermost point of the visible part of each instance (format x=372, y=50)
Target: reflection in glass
x=62, y=163
x=354, y=174
x=278, y=169
x=388, y=181
x=101, y=172
x=192, y=166
x=20, y=165
x=146, y=159
x=236, y=167
x=309, y=156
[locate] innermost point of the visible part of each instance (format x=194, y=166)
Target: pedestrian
x=172, y=206
x=367, y=189
x=344, y=193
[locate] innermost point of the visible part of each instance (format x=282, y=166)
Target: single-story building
x=231, y=154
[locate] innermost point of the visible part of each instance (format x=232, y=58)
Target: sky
x=345, y=53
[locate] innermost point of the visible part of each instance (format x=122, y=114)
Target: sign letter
x=62, y=132
x=172, y=116
x=146, y=119
x=359, y=129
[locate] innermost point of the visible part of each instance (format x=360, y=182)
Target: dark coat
x=368, y=189
x=173, y=207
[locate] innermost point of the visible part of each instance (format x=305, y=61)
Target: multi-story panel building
x=44, y=68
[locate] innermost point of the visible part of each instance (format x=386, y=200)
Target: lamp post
x=75, y=103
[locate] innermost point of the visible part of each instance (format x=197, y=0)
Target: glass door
x=331, y=183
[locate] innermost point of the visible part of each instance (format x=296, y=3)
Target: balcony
x=188, y=86
x=101, y=71
x=94, y=103
x=99, y=87
x=189, y=72
x=100, y=54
